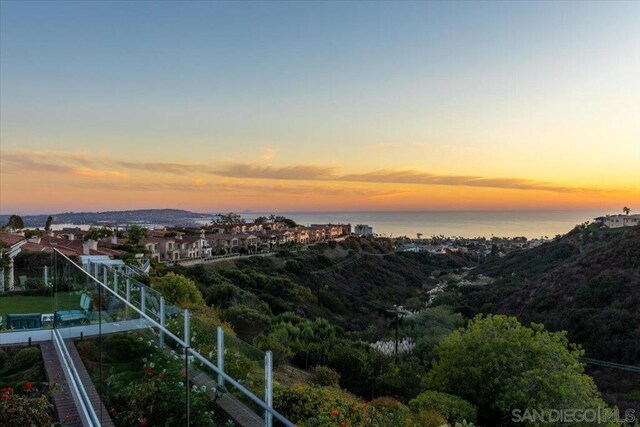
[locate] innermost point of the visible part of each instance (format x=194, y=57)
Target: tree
x=98, y=233
x=178, y=290
x=28, y=234
x=227, y=219
x=626, y=210
x=500, y=366
x=47, y=225
x=15, y=222
x=136, y=233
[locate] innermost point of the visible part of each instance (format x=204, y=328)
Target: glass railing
x=26, y=299
x=149, y=362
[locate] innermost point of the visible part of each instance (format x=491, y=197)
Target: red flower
x=7, y=390
x=149, y=371
x=143, y=422
x=28, y=386
x=335, y=413
x=343, y=424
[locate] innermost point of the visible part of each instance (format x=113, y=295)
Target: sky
x=316, y=106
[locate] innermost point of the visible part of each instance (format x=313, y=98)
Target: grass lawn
x=38, y=304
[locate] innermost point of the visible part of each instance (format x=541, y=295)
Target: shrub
x=324, y=377
x=246, y=321
x=179, y=290
x=26, y=358
x=26, y=409
x=35, y=283
x=430, y=419
x=301, y=402
x=453, y=408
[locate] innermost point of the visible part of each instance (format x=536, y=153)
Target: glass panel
x=109, y=325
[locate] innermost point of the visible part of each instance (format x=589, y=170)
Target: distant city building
x=363, y=230
x=617, y=221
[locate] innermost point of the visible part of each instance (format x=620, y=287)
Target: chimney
x=86, y=248
x=202, y=233
x=114, y=239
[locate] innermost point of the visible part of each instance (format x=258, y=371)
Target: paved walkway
x=87, y=383
x=65, y=406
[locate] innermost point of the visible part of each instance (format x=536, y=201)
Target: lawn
x=38, y=304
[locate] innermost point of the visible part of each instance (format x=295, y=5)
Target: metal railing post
x=115, y=281
x=187, y=337
x=161, y=322
x=105, y=276
x=143, y=304
x=128, y=296
x=220, y=354
x=46, y=274
x=268, y=387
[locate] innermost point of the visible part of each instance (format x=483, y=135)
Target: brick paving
x=65, y=406
x=92, y=393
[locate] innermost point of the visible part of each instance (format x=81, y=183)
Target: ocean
x=531, y=224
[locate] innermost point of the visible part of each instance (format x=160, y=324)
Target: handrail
x=240, y=387
x=183, y=344
x=612, y=365
x=76, y=382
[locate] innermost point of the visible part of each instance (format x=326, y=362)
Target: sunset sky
x=319, y=106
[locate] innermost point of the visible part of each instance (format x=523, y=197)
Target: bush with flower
x=143, y=385
x=27, y=406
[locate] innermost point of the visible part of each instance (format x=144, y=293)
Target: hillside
x=587, y=283
x=139, y=216
x=351, y=283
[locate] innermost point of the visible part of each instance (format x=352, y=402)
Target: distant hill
x=587, y=282
x=140, y=216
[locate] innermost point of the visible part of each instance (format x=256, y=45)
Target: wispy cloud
x=162, y=167
x=80, y=164
x=299, y=172
x=410, y=176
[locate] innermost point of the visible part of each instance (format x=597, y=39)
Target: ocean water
x=530, y=224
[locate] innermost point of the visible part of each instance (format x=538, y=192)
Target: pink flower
x=143, y=422
x=149, y=371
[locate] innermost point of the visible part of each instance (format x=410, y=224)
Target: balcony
x=120, y=355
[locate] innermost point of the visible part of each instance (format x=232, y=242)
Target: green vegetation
x=135, y=234
x=453, y=408
x=500, y=365
x=98, y=233
x=178, y=290
x=38, y=303
x=143, y=385
x=587, y=283
x=320, y=310
x=15, y=222
x=25, y=396
x=22, y=367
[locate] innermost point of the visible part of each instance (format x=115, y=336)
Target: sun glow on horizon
x=325, y=107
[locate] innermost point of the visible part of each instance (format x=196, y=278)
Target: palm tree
x=626, y=210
